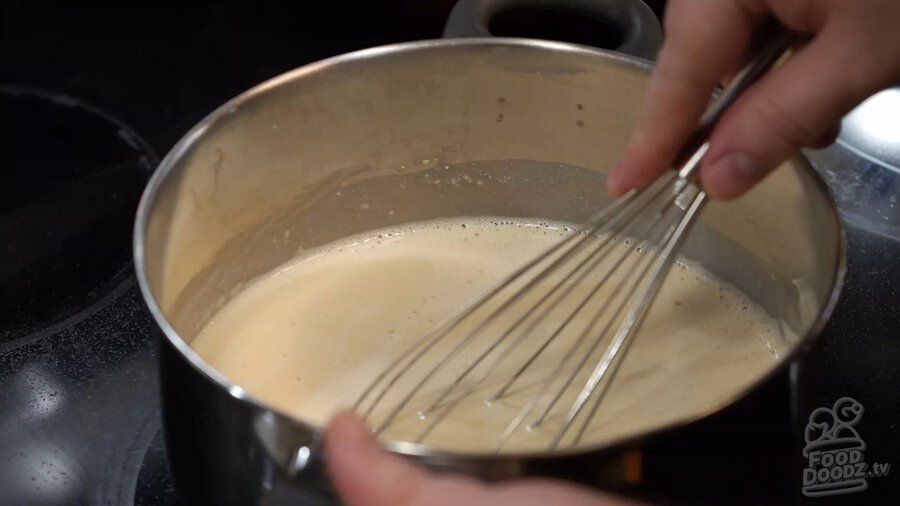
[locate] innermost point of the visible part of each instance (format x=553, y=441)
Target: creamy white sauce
x=309, y=337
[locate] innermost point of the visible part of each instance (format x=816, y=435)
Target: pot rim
x=196, y=133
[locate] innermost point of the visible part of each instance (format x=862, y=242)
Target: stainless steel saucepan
x=349, y=144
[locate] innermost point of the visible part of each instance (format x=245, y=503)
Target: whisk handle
x=781, y=42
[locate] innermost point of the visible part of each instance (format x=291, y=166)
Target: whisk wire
x=626, y=279
x=446, y=328
x=595, y=259
x=623, y=340
x=616, y=321
x=429, y=340
x=618, y=221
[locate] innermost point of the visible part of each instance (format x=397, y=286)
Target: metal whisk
x=588, y=286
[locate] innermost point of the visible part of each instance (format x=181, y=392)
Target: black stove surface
x=89, y=101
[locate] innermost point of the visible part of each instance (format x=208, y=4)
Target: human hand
x=853, y=53
x=366, y=475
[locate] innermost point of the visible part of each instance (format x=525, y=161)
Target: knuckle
x=775, y=119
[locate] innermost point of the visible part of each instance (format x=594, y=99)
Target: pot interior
x=424, y=131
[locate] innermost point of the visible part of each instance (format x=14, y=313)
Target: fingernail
x=732, y=174
x=611, y=184
x=349, y=431
x=614, y=179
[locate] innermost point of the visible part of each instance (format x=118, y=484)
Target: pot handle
x=635, y=21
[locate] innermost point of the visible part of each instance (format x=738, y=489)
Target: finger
x=755, y=43
x=826, y=139
x=794, y=106
x=366, y=475
x=704, y=41
x=542, y=492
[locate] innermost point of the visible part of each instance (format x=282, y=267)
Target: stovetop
x=90, y=99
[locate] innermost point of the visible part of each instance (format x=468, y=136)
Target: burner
x=69, y=187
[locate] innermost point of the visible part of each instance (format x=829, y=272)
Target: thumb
x=362, y=472
x=367, y=476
